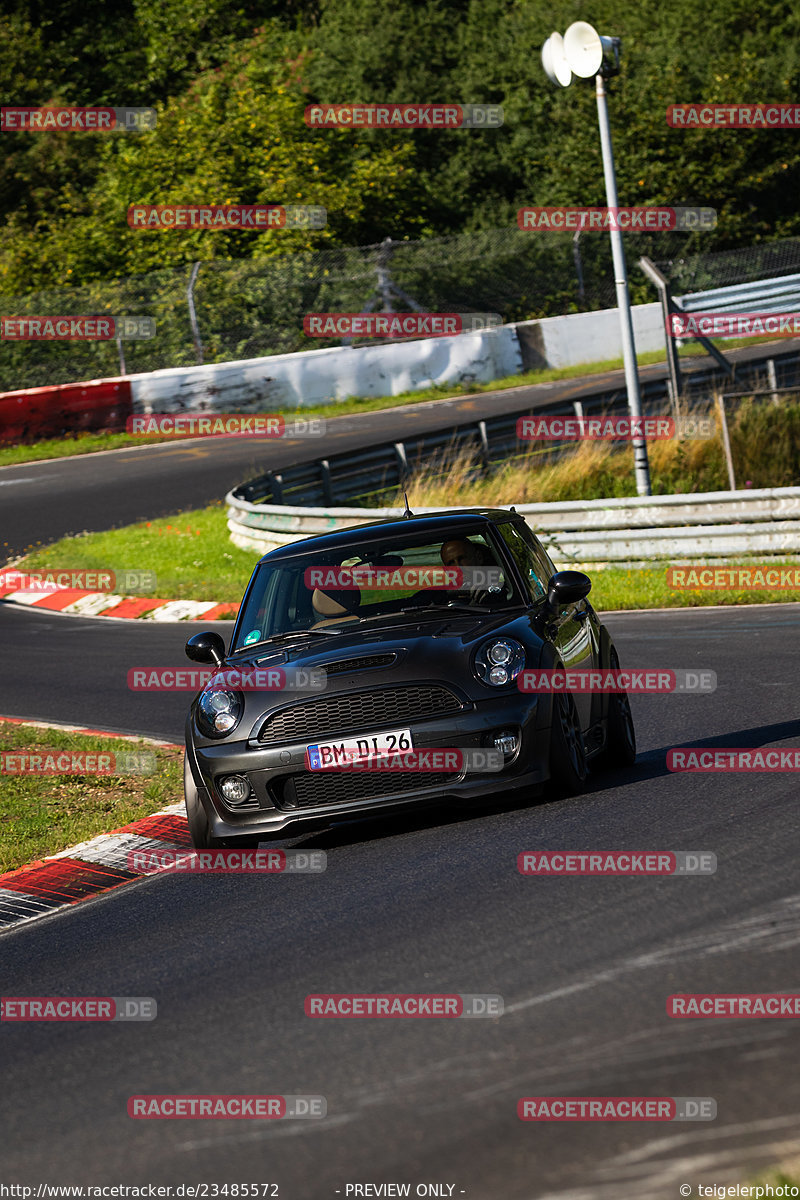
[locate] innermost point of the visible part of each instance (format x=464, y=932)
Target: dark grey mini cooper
x=358, y=655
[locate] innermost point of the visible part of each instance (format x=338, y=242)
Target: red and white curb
x=86, y=870
x=105, y=604
x=91, y=867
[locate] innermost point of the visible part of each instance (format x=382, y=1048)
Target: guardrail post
x=327, y=484
x=276, y=486
x=402, y=461
x=772, y=380
x=484, y=436
x=726, y=441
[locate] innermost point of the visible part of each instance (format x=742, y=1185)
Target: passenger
x=334, y=604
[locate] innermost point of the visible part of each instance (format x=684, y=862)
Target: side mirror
x=567, y=587
x=206, y=647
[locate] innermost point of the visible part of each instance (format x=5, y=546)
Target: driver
x=462, y=553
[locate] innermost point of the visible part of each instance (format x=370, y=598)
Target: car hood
x=424, y=639
x=431, y=650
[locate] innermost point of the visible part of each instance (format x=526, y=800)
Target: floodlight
x=585, y=49
x=554, y=61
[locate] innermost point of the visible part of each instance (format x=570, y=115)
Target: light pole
x=584, y=52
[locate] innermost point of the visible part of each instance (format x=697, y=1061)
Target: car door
x=571, y=626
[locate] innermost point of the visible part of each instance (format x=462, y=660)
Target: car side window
x=535, y=568
x=546, y=564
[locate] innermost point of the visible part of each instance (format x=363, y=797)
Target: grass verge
x=646, y=587
x=221, y=571
x=90, y=443
x=190, y=553
x=43, y=814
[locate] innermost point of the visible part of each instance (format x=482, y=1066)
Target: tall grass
x=765, y=446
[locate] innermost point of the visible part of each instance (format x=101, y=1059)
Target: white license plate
x=360, y=749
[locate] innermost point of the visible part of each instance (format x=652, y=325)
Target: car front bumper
x=289, y=797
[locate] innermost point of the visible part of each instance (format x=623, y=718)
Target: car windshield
x=334, y=592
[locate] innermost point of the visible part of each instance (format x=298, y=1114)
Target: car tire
x=568, y=765
x=199, y=826
x=620, y=748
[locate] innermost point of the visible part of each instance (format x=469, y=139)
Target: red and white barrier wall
x=262, y=384
x=48, y=411
x=310, y=377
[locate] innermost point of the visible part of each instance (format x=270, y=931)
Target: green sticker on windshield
x=253, y=636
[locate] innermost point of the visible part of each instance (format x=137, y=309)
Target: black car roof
x=436, y=523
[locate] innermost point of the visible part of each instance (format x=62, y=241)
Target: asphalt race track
x=432, y=902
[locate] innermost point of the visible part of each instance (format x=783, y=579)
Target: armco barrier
x=710, y=526
x=66, y=408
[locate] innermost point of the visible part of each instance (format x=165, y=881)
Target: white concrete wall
x=319, y=376
x=593, y=337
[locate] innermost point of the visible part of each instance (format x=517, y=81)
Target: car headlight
x=219, y=711
x=499, y=661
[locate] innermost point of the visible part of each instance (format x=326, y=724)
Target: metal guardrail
x=781, y=294
x=712, y=526
x=363, y=474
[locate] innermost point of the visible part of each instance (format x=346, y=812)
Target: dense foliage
x=230, y=82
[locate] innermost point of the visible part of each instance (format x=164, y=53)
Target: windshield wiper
x=457, y=606
x=439, y=610
x=282, y=637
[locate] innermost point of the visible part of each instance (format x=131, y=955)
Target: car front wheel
x=620, y=748
x=568, y=767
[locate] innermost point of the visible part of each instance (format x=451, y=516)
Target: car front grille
x=315, y=789
x=350, y=712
